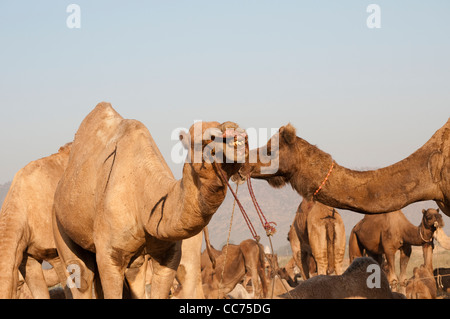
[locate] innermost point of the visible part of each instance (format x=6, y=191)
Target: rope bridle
x=270, y=230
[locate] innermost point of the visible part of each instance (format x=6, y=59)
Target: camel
x=421, y=285
x=442, y=238
x=118, y=200
x=314, y=174
x=317, y=236
x=442, y=277
x=26, y=239
x=351, y=284
x=189, y=271
x=387, y=233
x=239, y=260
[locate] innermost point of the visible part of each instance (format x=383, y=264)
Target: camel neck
x=188, y=205
x=417, y=235
x=377, y=191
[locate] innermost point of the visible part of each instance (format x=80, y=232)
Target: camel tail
x=331, y=235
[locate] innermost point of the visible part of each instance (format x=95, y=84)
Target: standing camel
x=317, y=232
x=387, y=233
x=424, y=175
x=118, y=199
x=26, y=239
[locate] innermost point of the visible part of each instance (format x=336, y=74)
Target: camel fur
x=317, y=233
x=26, y=237
x=421, y=285
x=387, y=233
x=351, y=284
x=424, y=175
x=118, y=200
x=229, y=267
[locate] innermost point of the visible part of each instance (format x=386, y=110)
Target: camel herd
x=107, y=213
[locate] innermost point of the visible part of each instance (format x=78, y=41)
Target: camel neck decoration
x=424, y=175
x=119, y=199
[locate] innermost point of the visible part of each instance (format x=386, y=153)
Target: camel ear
x=288, y=133
x=424, y=211
x=437, y=209
x=185, y=139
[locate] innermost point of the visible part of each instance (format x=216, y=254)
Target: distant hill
x=279, y=206
x=3, y=191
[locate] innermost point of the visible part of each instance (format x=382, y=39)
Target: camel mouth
x=235, y=145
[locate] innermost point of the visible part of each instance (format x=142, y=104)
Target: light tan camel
x=353, y=283
x=388, y=233
x=306, y=168
x=317, y=231
x=247, y=258
x=189, y=271
x=421, y=285
x=118, y=199
x=26, y=238
x=442, y=238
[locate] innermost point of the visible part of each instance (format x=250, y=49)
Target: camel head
x=224, y=144
x=273, y=162
x=432, y=219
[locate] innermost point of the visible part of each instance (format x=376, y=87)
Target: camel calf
x=421, y=285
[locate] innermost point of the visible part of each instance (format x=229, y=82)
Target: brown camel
x=421, y=285
x=239, y=260
x=317, y=232
x=424, y=175
x=26, y=239
x=118, y=199
x=353, y=283
x=387, y=233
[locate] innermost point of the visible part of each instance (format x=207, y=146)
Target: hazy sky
x=369, y=97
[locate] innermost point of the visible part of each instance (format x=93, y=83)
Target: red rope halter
x=270, y=230
x=325, y=180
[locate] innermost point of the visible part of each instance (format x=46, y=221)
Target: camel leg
x=31, y=270
x=305, y=268
x=318, y=242
x=165, y=260
x=298, y=254
x=405, y=254
x=62, y=277
x=354, y=247
x=427, y=250
x=112, y=264
x=135, y=275
x=339, y=250
x=79, y=264
x=392, y=277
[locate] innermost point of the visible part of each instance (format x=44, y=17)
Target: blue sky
x=369, y=97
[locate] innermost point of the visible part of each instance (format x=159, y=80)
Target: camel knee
x=79, y=277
